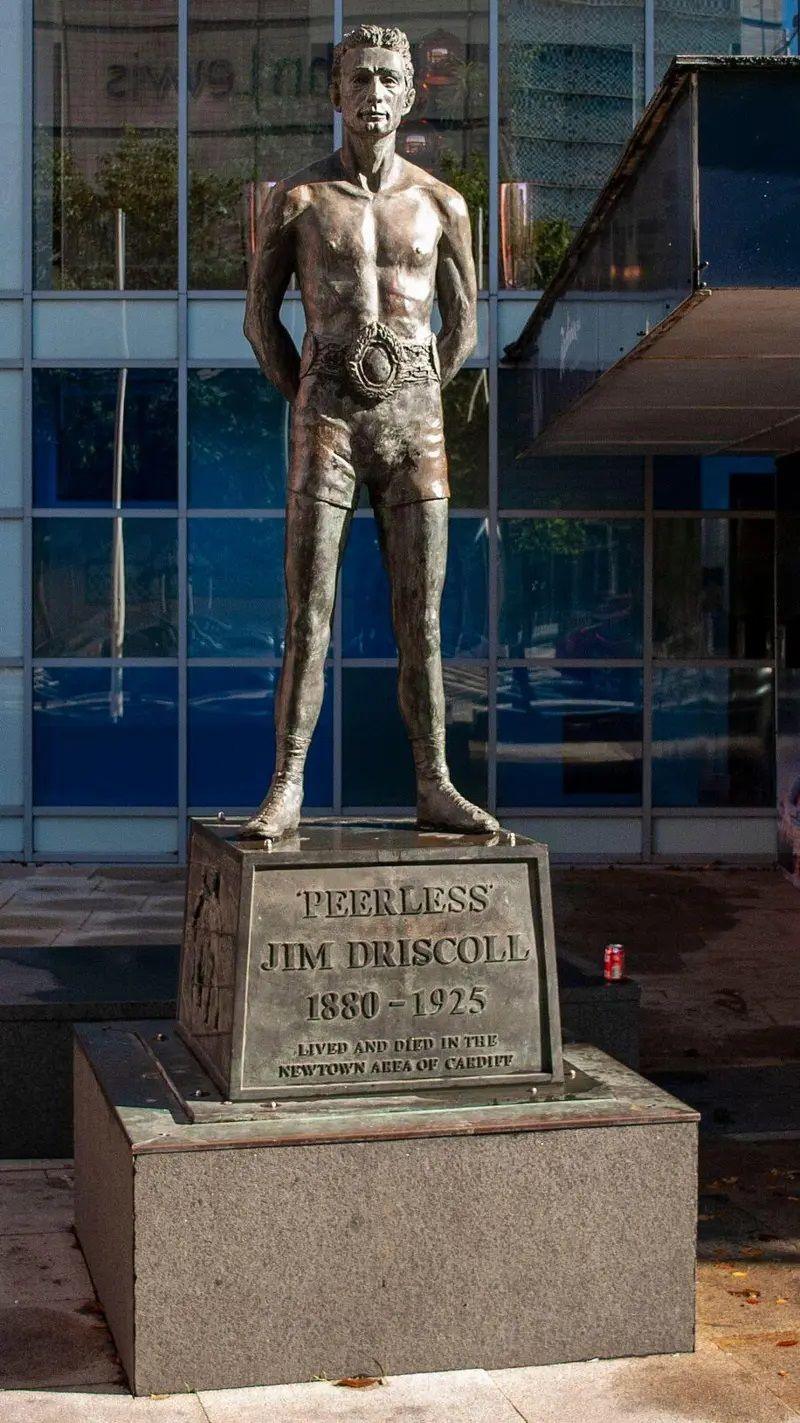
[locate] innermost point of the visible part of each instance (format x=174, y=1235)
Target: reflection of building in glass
x=608, y=620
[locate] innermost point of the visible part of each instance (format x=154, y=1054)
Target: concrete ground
x=717, y=955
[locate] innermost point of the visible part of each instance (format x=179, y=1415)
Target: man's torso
x=362, y=257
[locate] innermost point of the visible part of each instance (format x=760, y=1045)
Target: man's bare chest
x=341, y=228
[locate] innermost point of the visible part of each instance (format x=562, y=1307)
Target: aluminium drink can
x=613, y=962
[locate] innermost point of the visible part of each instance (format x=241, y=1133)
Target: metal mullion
x=106, y=512
x=69, y=663
x=27, y=430
x=725, y=664
x=492, y=282
x=105, y=294
x=649, y=49
x=271, y=513
x=104, y=363
x=762, y=514
x=240, y=662
x=716, y=812
x=183, y=432
x=648, y=847
x=575, y=812
x=106, y=812
x=543, y=663
x=609, y=514
x=338, y=31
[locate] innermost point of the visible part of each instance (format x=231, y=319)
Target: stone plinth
x=395, y=1233
x=358, y=957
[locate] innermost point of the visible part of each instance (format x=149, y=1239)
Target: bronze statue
x=371, y=239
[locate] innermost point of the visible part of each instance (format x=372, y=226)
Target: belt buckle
x=374, y=360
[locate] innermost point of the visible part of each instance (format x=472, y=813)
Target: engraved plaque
x=386, y=962
x=413, y=973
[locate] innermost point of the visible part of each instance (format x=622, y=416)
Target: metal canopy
x=634, y=347
x=721, y=373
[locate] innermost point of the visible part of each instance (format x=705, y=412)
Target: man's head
x=372, y=81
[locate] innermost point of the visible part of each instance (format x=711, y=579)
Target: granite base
x=338, y=1240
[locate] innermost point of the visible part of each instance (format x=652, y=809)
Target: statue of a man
x=372, y=239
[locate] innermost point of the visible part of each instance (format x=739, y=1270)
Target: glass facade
x=608, y=623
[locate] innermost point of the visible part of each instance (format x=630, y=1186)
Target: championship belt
x=375, y=362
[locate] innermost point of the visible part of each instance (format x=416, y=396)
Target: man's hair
x=373, y=37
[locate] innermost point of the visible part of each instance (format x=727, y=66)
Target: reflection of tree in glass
x=140, y=176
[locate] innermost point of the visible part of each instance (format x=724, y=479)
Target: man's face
x=373, y=96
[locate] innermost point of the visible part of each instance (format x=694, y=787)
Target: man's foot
x=279, y=812
x=441, y=807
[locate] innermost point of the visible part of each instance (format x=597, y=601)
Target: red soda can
x=613, y=962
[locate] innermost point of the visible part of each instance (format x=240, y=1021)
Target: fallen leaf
x=730, y=1180
x=783, y=1373
x=709, y=1215
x=359, y=1381
x=740, y=1274
x=785, y=1343
x=780, y=1300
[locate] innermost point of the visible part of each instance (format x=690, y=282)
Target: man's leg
x=414, y=544
x=316, y=534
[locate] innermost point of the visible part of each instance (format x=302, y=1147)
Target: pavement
x=717, y=955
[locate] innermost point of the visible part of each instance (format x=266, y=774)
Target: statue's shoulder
x=449, y=202
x=296, y=192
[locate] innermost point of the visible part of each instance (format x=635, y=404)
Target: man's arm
x=270, y=274
x=456, y=287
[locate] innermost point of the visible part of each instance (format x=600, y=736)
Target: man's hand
x=270, y=274
x=456, y=286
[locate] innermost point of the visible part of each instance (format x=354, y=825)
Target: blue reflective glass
x=713, y=736
x=569, y=737
x=236, y=593
x=76, y=414
x=526, y=481
x=713, y=482
x=465, y=400
x=103, y=587
x=366, y=617
x=713, y=588
x=377, y=768
x=232, y=707
x=749, y=178
x=571, y=588
x=105, y=736
x=238, y=438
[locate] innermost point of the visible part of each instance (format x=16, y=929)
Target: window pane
x=377, y=768
x=236, y=596
x=571, y=88
x=105, y=146
x=11, y=448
x=258, y=110
x=713, y=482
x=713, y=741
x=447, y=131
x=105, y=587
x=366, y=618
x=11, y=738
x=713, y=588
x=11, y=580
x=238, y=437
x=569, y=737
x=570, y=588
x=699, y=28
x=105, y=736
x=233, y=707
x=574, y=482
x=466, y=432
x=76, y=414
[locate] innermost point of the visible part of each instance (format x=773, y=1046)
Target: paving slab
x=55, y=1346
x=34, y=1202
x=50, y=1267
x=676, y=1388
x=32, y=1407
x=465, y=1396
